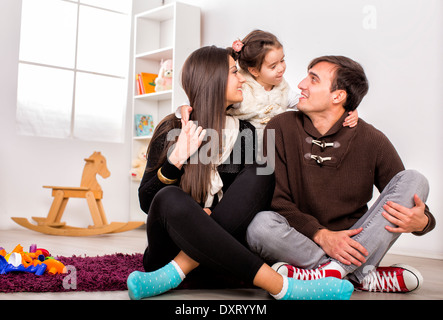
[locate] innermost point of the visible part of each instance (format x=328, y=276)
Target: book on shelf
x=144, y=125
x=145, y=82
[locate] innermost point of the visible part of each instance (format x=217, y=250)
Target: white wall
x=402, y=58
x=28, y=163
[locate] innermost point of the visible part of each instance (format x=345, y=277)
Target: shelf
x=156, y=96
x=160, y=54
x=158, y=14
x=171, y=31
x=142, y=137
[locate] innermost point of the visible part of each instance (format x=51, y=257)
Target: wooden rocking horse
x=92, y=192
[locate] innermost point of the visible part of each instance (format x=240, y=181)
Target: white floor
x=135, y=241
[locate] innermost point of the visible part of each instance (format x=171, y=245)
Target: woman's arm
x=170, y=171
x=190, y=139
x=151, y=184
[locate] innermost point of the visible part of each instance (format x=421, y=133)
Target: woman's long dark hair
x=204, y=80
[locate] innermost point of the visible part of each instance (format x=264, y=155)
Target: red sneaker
x=304, y=274
x=396, y=278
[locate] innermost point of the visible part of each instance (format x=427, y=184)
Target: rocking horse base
x=89, y=190
x=63, y=230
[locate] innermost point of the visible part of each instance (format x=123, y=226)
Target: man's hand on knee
x=340, y=246
x=406, y=219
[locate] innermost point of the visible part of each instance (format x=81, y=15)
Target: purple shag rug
x=101, y=273
x=105, y=273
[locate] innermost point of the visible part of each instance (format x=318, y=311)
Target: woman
x=201, y=191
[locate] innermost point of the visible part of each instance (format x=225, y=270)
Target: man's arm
x=418, y=219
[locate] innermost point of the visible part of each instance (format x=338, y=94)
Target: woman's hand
x=352, y=119
x=185, y=112
x=189, y=140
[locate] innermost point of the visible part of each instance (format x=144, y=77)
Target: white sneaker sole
x=412, y=277
x=278, y=268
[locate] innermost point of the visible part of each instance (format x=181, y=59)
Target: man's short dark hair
x=349, y=76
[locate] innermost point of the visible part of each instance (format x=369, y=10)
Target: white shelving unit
x=172, y=32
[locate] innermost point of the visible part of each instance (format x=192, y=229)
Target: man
x=320, y=224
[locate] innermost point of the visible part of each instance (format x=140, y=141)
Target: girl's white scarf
x=258, y=105
x=230, y=133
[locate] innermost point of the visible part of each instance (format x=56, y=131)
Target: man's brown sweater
x=326, y=181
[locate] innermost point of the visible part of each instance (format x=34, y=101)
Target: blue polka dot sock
x=329, y=288
x=147, y=284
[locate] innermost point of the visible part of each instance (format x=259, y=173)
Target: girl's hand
x=207, y=210
x=352, y=119
x=189, y=140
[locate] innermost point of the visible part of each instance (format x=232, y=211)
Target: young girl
x=191, y=221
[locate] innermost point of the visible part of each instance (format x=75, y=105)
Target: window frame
x=77, y=70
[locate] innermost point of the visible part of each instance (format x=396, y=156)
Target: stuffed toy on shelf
x=164, y=80
x=139, y=165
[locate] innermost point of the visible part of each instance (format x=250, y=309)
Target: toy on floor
x=37, y=261
x=6, y=267
x=54, y=266
x=91, y=191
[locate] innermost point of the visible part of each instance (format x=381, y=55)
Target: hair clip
x=237, y=45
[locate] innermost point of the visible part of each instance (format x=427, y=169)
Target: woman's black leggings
x=177, y=222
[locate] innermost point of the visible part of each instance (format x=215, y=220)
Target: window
x=73, y=68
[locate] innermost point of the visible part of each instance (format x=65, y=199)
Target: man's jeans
x=270, y=235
